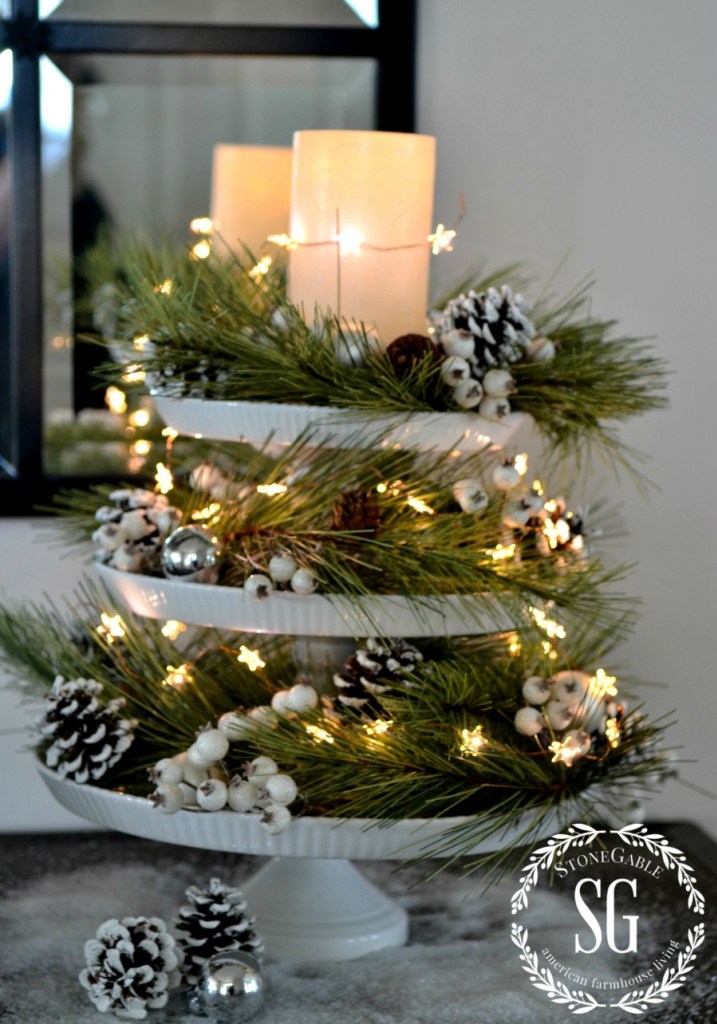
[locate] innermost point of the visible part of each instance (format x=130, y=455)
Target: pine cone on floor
x=214, y=920
x=371, y=671
x=356, y=509
x=408, y=351
x=497, y=320
x=131, y=966
x=88, y=737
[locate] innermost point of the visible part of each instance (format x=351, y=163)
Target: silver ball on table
x=191, y=554
x=230, y=987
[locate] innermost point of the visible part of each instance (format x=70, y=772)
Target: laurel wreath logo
x=578, y=1001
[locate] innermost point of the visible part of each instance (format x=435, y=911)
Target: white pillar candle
x=381, y=185
x=251, y=193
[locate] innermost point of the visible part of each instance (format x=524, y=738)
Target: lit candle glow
x=371, y=193
x=251, y=191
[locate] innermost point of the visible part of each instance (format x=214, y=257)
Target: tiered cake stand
x=310, y=902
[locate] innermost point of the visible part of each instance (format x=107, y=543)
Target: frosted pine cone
x=214, y=920
x=88, y=737
x=131, y=966
x=498, y=324
x=372, y=670
x=131, y=533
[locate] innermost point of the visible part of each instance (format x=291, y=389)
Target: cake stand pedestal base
x=318, y=909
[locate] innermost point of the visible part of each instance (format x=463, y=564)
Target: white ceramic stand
x=309, y=900
x=328, y=427
x=322, y=910
x=307, y=615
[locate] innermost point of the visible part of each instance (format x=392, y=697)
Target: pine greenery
x=413, y=769
x=217, y=333
x=365, y=521
x=418, y=553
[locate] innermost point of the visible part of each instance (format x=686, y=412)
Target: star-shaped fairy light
x=173, y=629
x=176, y=678
x=441, y=240
x=603, y=685
x=612, y=732
x=111, y=628
x=473, y=741
x=318, y=734
x=573, y=746
x=252, y=659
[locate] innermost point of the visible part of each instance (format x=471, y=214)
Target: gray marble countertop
x=459, y=966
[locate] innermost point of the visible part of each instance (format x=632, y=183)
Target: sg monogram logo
x=591, y=920
x=608, y=877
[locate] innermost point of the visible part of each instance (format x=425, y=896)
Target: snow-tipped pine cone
x=214, y=920
x=88, y=736
x=131, y=966
x=496, y=321
x=371, y=671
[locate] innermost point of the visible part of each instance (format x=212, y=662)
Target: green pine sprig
x=416, y=768
x=220, y=334
x=420, y=554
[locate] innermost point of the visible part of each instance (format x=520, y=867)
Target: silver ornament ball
x=230, y=987
x=191, y=554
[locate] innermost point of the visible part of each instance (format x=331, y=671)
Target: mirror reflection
x=127, y=147
x=334, y=13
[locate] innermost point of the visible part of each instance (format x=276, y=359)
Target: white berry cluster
x=197, y=779
x=527, y=513
x=133, y=529
x=481, y=334
x=294, y=701
x=570, y=703
x=284, y=574
x=471, y=495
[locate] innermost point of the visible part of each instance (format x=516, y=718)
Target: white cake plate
x=310, y=902
x=256, y=422
x=316, y=615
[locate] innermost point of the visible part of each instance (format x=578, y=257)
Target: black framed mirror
x=113, y=121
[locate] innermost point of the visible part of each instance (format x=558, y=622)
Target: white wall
x=32, y=568
x=590, y=128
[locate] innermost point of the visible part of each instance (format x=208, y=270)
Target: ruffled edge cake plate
x=284, y=424
x=309, y=901
x=306, y=614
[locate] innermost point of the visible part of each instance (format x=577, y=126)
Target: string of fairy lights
x=470, y=742
x=347, y=242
